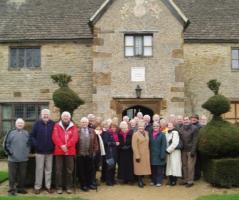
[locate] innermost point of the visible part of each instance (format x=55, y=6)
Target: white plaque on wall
x=137, y=74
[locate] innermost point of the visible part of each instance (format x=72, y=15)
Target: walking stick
x=74, y=178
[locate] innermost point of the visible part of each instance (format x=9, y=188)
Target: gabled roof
x=211, y=20
x=22, y=20
x=46, y=19
x=169, y=3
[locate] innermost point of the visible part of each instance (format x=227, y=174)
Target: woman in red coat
x=65, y=137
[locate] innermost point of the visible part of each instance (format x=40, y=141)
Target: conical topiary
x=65, y=98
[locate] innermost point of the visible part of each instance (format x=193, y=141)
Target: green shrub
x=222, y=172
x=217, y=105
x=219, y=139
x=2, y=153
x=65, y=98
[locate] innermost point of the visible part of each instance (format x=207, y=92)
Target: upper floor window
x=139, y=45
x=235, y=58
x=29, y=57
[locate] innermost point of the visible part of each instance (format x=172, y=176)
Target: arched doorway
x=132, y=111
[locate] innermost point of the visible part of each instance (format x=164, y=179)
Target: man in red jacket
x=65, y=138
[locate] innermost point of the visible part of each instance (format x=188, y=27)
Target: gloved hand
x=138, y=160
x=167, y=152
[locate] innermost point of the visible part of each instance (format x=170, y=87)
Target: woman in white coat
x=174, y=163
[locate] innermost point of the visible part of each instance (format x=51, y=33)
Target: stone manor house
x=169, y=49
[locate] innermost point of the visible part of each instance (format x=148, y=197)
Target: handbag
x=180, y=143
x=110, y=161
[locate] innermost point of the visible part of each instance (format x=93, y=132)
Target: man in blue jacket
x=41, y=139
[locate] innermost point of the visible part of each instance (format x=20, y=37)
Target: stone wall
x=204, y=62
x=112, y=70
x=35, y=85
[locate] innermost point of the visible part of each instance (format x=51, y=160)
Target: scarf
x=155, y=133
x=115, y=135
x=124, y=134
x=102, y=148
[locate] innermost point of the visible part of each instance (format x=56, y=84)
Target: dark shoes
x=85, y=188
x=92, y=187
x=12, y=193
x=188, y=185
x=36, y=191
x=21, y=191
x=50, y=191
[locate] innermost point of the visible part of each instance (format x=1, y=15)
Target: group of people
x=133, y=148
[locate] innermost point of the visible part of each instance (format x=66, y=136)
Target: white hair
x=147, y=117
x=126, y=118
x=91, y=116
x=123, y=125
x=163, y=122
x=66, y=113
x=19, y=120
x=84, y=119
x=47, y=111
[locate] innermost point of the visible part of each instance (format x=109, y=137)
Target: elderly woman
x=133, y=125
x=111, y=143
x=125, y=153
x=174, y=163
x=140, y=145
x=16, y=145
x=65, y=138
x=157, y=154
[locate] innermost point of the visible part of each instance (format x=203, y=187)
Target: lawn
x=37, y=198
x=220, y=197
x=3, y=176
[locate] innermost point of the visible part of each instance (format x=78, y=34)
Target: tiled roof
x=215, y=20
x=46, y=19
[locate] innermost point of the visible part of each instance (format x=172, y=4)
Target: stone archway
x=132, y=111
x=121, y=104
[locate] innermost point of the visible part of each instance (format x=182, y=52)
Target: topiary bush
x=217, y=104
x=222, y=172
x=65, y=98
x=219, y=139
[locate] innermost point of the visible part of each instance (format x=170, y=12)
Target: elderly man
x=41, y=139
x=86, y=150
x=92, y=121
x=17, y=146
x=189, y=136
x=65, y=138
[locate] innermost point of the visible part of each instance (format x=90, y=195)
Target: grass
x=37, y=198
x=3, y=176
x=220, y=197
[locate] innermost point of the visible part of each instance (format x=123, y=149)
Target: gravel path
x=127, y=192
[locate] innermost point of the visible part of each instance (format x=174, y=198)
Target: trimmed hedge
x=219, y=139
x=222, y=172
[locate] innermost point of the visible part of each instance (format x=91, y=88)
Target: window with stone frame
x=27, y=57
x=9, y=112
x=138, y=45
x=235, y=58
x=233, y=115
